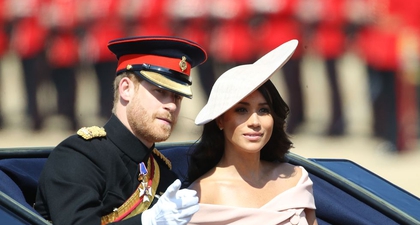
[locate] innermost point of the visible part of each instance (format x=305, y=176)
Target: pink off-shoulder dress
x=286, y=208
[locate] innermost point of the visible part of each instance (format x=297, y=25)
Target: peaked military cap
x=161, y=60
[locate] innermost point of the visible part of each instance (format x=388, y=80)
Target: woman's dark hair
x=209, y=149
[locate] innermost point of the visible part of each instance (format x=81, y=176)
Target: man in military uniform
x=114, y=174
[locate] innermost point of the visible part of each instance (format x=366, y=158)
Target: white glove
x=174, y=207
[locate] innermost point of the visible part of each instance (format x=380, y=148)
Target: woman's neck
x=244, y=166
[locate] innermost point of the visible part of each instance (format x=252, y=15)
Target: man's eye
x=178, y=97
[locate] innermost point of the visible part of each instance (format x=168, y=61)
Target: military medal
x=145, y=189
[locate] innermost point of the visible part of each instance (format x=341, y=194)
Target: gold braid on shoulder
x=88, y=133
x=160, y=155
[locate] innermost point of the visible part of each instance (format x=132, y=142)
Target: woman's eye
x=265, y=110
x=240, y=110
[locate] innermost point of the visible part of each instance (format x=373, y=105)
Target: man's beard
x=143, y=124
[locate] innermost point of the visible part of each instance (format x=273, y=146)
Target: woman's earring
x=221, y=128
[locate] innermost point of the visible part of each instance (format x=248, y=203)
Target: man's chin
x=163, y=135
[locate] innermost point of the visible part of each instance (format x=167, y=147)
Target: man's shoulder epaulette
x=88, y=133
x=160, y=155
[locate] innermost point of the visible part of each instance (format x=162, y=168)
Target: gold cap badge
x=183, y=64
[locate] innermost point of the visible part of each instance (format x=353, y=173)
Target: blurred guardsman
x=389, y=45
x=100, y=26
x=28, y=39
x=329, y=42
x=63, y=56
x=114, y=174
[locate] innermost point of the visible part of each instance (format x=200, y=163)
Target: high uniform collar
x=126, y=141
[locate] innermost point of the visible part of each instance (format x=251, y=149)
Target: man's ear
x=125, y=88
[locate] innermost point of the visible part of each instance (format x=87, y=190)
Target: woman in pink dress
x=239, y=167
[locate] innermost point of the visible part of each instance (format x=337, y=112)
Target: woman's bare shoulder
x=207, y=189
x=287, y=170
x=197, y=184
x=287, y=175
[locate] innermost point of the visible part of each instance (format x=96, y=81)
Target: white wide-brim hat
x=240, y=81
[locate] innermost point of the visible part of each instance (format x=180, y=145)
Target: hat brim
x=240, y=81
x=163, y=82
